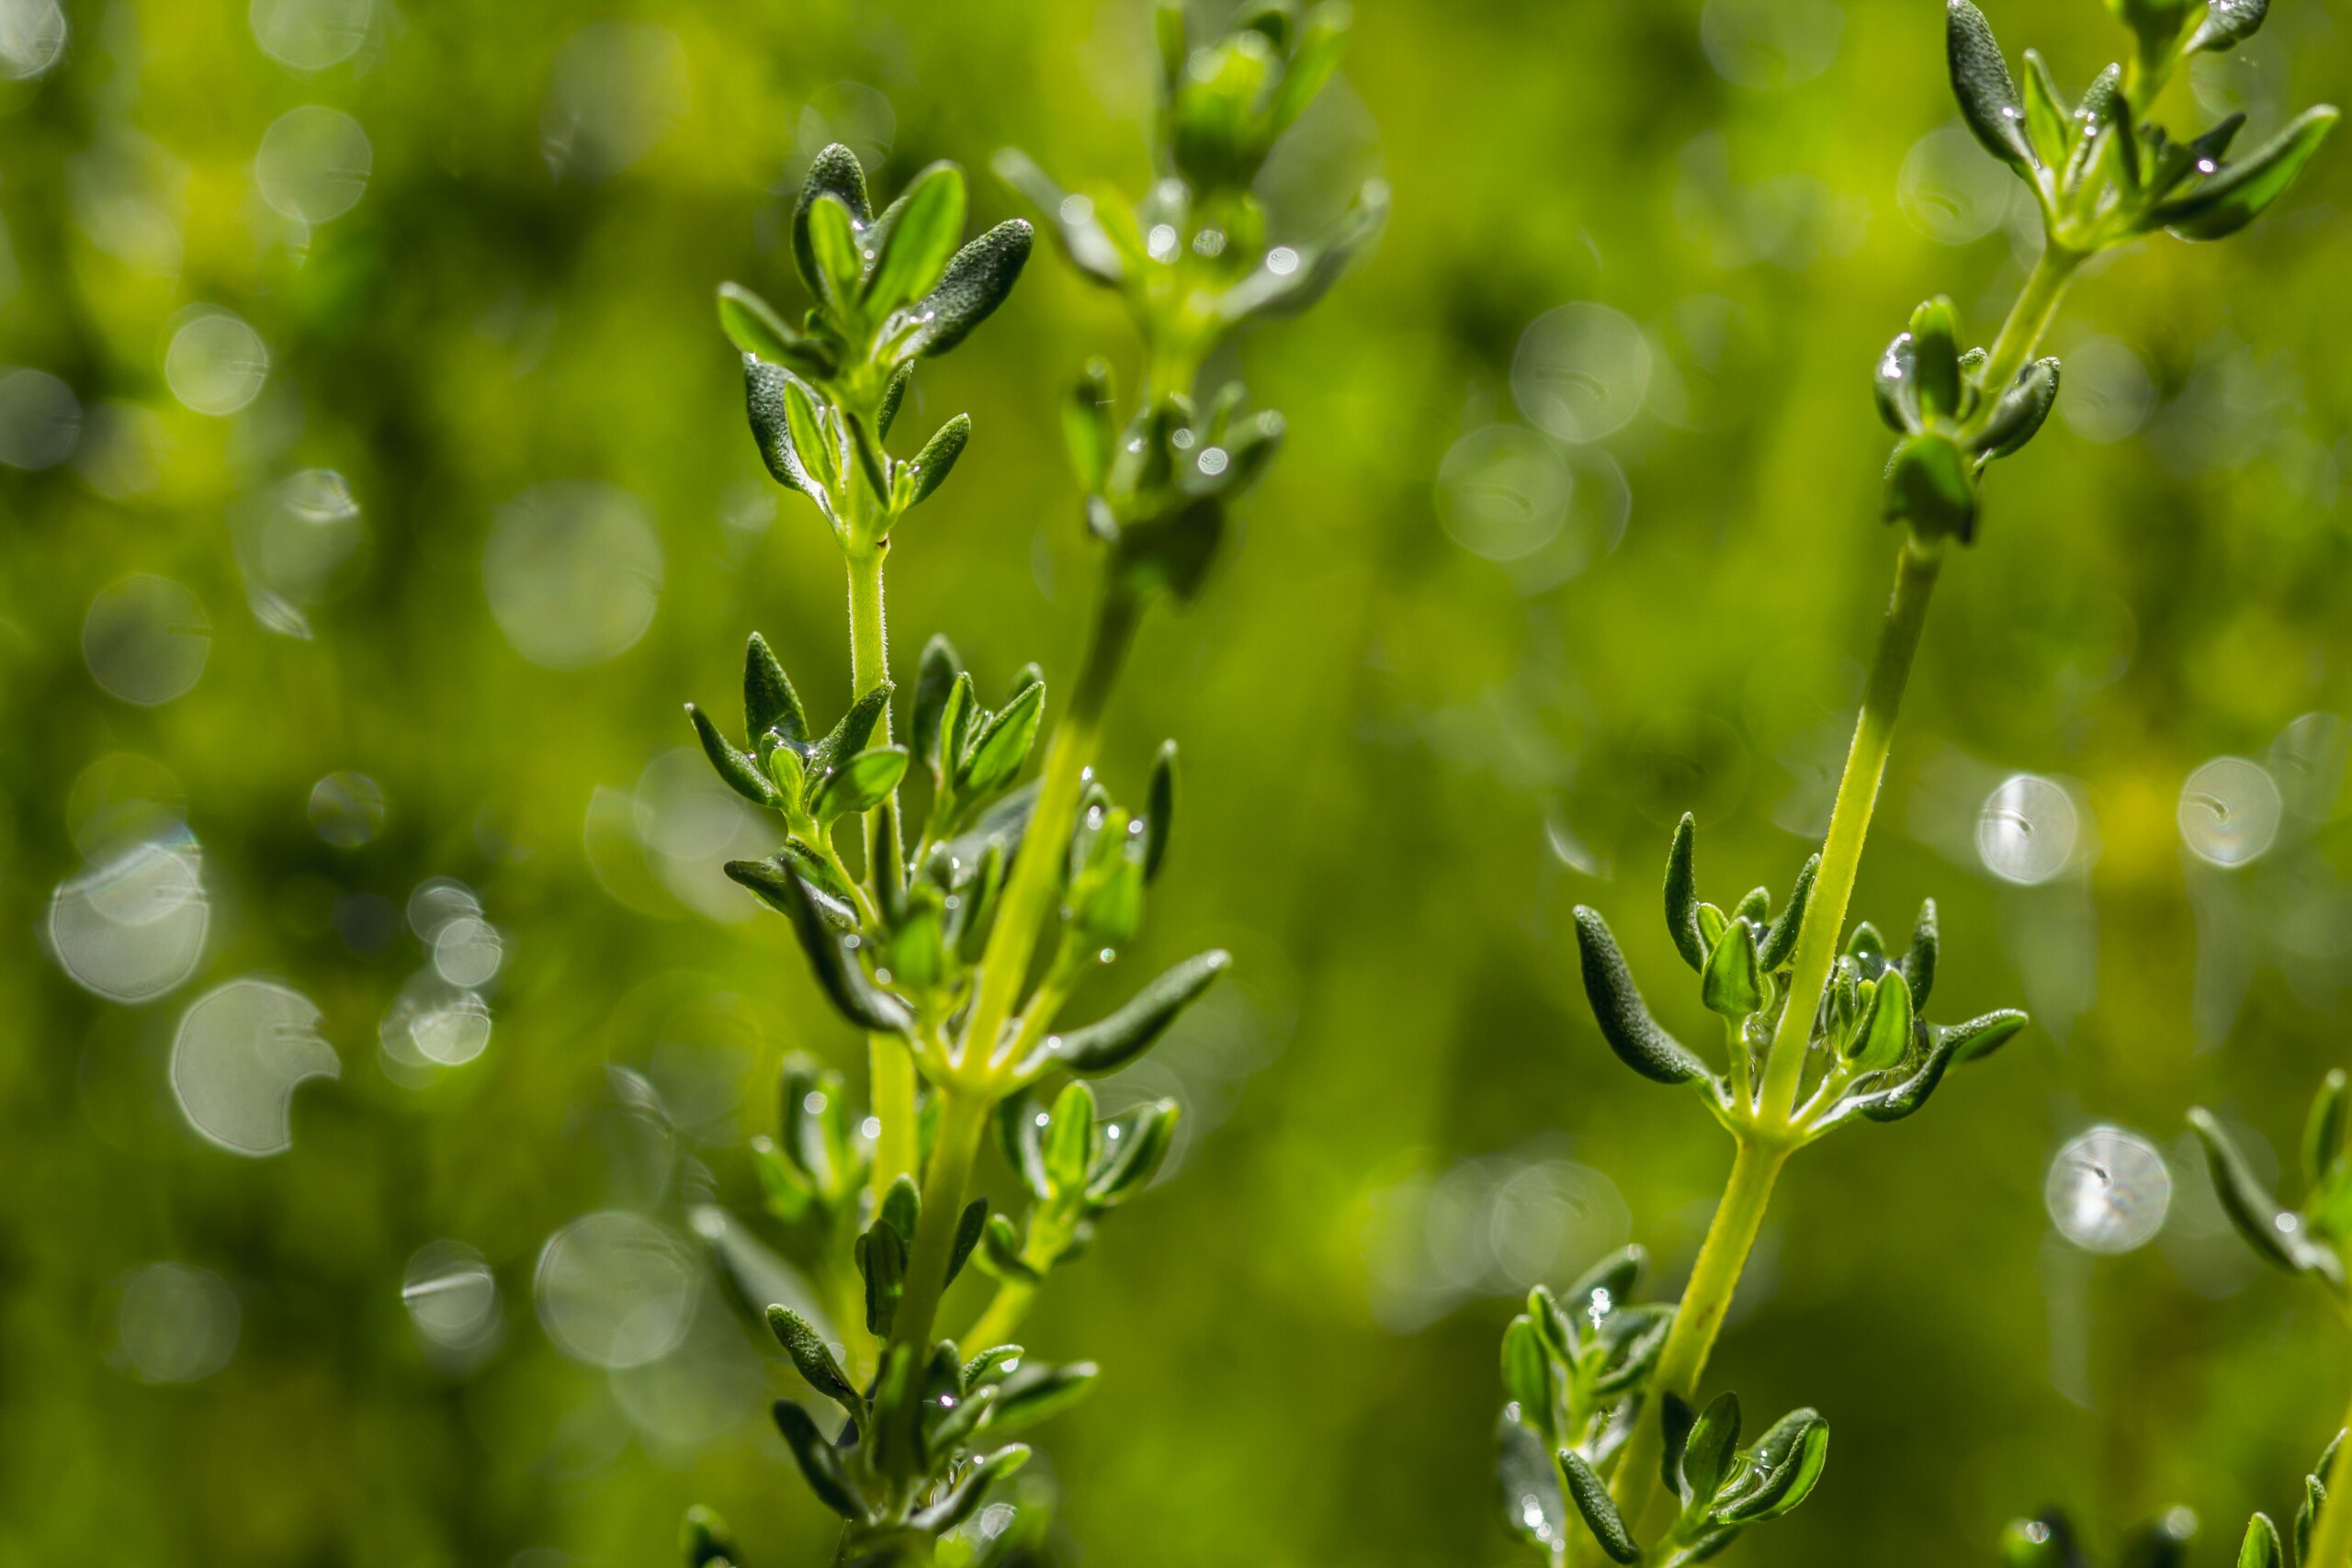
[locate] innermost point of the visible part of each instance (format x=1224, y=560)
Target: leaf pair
x=2310, y=1240
x=974, y=753
x=1723, y=1487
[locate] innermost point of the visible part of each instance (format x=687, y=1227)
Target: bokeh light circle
x=215, y=363
x=241, y=1051
x=313, y=164
x=1503, y=492
x=2109, y=1191
x=573, y=573
x=146, y=639
x=616, y=1290
x=2229, y=812
x=2027, y=831
x=1581, y=371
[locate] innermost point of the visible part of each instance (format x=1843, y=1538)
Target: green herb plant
x=2314, y=1240
x=1825, y=1027
x=952, y=936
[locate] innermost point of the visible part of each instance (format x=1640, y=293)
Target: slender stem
x=870, y=639
x=963, y=1118
x=1029, y=888
x=2037, y=304
x=891, y=1096
x=2332, y=1537
x=1700, y=1318
x=1849, y=822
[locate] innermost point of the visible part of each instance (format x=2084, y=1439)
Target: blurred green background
x=376, y=486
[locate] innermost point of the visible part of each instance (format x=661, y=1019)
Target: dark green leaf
x=764, y=386
x=901, y=1208
x=837, y=967
x=2226, y=24
x=963, y=1498
x=1707, y=1451
x=2233, y=197
x=975, y=282
x=1886, y=1028
x=1928, y=485
x=831, y=231
x=2258, y=1215
x=936, y=673
x=1683, y=893
x=1896, y=385
x=1112, y=1043
x=752, y=326
x=1631, y=1339
x=1135, y=1155
x=1935, y=355
x=969, y=1225
x=1000, y=1252
x=1530, y=1487
x=769, y=701
x=2046, y=114
x=1980, y=80
x=856, y=727
x=742, y=775
x=1781, y=940
x=821, y=1463
x=913, y=241
x=2018, y=413
x=834, y=173
x=1981, y=1037
x=705, y=1541
x=809, y=1353
x=881, y=1257
x=1920, y=962
x=1036, y=1392
x=1069, y=1139
x=1590, y=1495
x=1675, y=1420
x=2323, y=1129
x=937, y=459
x=1159, y=809
x=1784, y=1467
x=1626, y=1023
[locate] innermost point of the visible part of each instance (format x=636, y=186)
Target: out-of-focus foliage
x=374, y=485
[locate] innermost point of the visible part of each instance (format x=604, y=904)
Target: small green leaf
x=1886, y=1028
x=752, y=326
x=1069, y=1139
x=1089, y=425
x=993, y=755
x=1980, y=80
x=901, y=1208
x=815, y=1361
x=765, y=389
x=1036, y=1392
x=1780, y=941
x=881, y=1257
x=836, y=965
x=2047, y=117
x=1683, y=893
x=937, y=459
x=1920, y=963
x=1730, y=984
x=1135, y=1155
x=1590, y=1495
x=1527, y=1374
x=740, y=773
x=2261, y=1548
x=969, y=1225
x=769, y=701
x=1626, y=1021
x=705, y=1541
x=1069, y=219
x=2323, y=1129
x=1982, y=1035
x=832, y=241
x=812, y=439
x=976, y=281
x=1894, y=385
x=2226, y=24
x=1631, y=1339
x=2018, y=413
x=913, y=240
x=1782, y=1469
x=933, y=677
x=1929, y=486
x=860, y=783
x=821, y=1463
x=834, y=173
x=1114, y=1042
x=2260, y=1218
x=856, y=727
x=1000, y=1252
x=894, y=393
x=1159, y=809
x=1935, y=349
x=1707, y=1451
x=2238, y=194
x=963, y=1499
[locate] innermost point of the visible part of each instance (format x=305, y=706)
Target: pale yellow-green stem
x=2030, y=317
x=1706, y=1299
x=2332, y=1537
x=963, y=1118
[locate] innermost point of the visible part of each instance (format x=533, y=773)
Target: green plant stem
x=2037, y=304
x=998, y=1324
x=1849, y=823
x=1029, y=888
x=892, y=1090
x=1705, y=1300
x=964, y=1116
x=2332, y=1536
